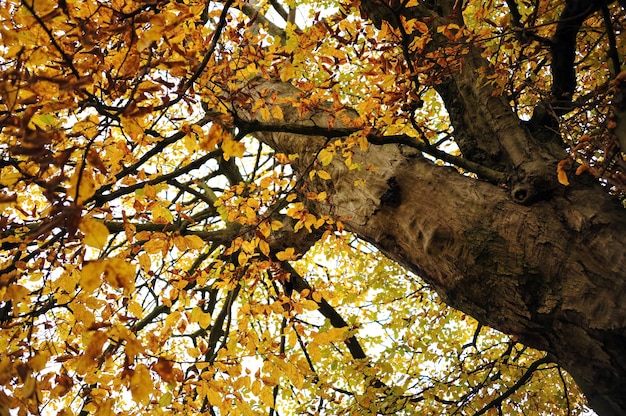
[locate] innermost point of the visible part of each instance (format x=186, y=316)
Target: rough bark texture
x=531, y=258
x=552, y=274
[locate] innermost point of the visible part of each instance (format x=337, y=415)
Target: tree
x=196, y=197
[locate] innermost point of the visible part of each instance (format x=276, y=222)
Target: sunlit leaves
x=232, y=148
x=144, y=233
x=96, y=233
x=115, y=271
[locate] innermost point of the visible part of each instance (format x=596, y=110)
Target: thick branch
x=564, y=50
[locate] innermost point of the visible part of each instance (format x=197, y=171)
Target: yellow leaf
x=276, y=112
x=94, y=349
x=264, y=247
x=39, y=361
x=91, y=275
x=310, y=220
x=165, y=400
x=363, y=142
x=203, y=319
x=325, y=157
x=29, y=386
x=144, y=262
x=161, y=215
x=155, y=246
x=141, y=385
x=86, y=186
x=314, y=352
x=249, y=246
x=323, y=174
x=194, y=242
x=211, y=140
x=120, y=274
x=149, y=192
x=135, y=309
x=133, y=126
x=287, y=254
x=287, y=72
x=191, y=144
x=153, y=34
x=310, y=305
x=332, y=335
x=267, y=396
x=215, y=398
x=96, y=233
x=232, y=148
x=265, y=114
x=16, y=293
x=180, y=243
x=242, y=258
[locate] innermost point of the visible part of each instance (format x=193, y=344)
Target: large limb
x=485, y=128
x=549, y=275
x=563, y=48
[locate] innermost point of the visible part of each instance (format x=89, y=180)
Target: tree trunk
x=551, y=274
x=529, y=257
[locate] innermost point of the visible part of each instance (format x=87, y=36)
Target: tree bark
x=551, y=274
x=529, y=257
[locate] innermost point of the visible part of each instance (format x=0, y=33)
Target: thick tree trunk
x=536, y=260
x=552, y=274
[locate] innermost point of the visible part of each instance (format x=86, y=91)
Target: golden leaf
x=91, y=275
x=203, y=319
x=93, y=351
x=325, y=157
x=96, y=233
x=141, y=384
x=39, y=361
x=180, y=242
x=232, y=148
x=277, y=112
x=86, y=186
x=287, y=72
x=29, y=386
x=287, y=254
x=194, y=242
x=155, y=246
x=215, y=136
x=323, y=175
x=120, y=273
x=16, y=293
x=267, y=396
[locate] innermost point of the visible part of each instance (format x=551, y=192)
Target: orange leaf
x=561, y=174
x=165, y=369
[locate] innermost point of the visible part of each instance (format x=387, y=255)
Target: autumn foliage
x=159, y=257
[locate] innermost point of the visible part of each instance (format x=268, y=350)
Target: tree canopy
x=295, y=207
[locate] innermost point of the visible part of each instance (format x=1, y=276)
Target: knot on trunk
x=534, y=181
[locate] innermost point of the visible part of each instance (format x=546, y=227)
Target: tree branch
x=523, y=379
x=299, y=284
x=563, y=47
x=307, y=130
